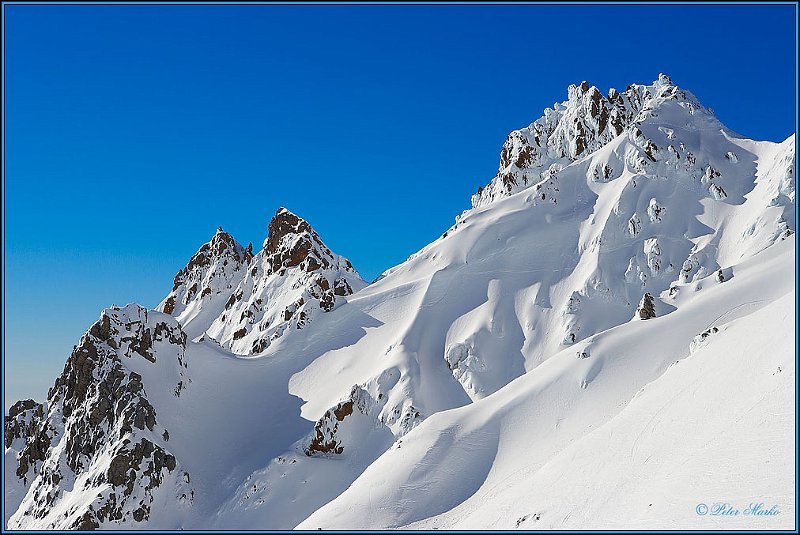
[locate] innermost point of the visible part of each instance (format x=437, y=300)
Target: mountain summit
x=208, y=278
x=247, y=301
x=572, y=129
x=286, y=285
x=571, y=341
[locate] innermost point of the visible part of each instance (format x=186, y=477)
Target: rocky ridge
x=292, y=279
x=98, y=433
x=246, y=301
x=573, y=129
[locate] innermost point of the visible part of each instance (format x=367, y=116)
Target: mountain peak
x=209, y=272
x=294, y=276
x=575, y=92
x=575, y=128
x=663, y=79
x=221, y=245
x=292, y=242
x=226, y=289
x=284, y=223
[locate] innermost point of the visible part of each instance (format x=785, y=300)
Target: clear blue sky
x=133, y=132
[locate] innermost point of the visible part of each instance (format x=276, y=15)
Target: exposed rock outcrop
x=293, y=278
x=100, y=427
x=646, y=309
x=572, y=129
x=210, y=277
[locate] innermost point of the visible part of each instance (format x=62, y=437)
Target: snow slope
x=635, y=434
x=560, y=261
x=456, y=389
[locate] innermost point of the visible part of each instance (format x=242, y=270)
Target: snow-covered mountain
x=246, y=302
x=97, y=453
x=584, y=323
x=204, y=286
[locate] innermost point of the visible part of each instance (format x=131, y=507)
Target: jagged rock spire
x=284, y=223
x=214, y=268
x=292, y=242
x=287, y=283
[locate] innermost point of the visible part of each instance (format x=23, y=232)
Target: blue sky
x=133, y=132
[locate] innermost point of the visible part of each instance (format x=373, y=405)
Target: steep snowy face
x=665, y=208
x=291, y=280
x=777, y=187
x=572, y=129
x=650, y=415
x=99, y=433
x=207, y=281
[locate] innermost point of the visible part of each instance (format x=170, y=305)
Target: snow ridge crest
x=575, y=128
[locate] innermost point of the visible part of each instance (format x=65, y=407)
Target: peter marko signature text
x=726, y=509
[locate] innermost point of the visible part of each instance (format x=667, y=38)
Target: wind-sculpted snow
x=572, y=129
x=623, y=233
x=552, y=449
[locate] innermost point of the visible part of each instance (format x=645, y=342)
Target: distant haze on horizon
x=134, y=131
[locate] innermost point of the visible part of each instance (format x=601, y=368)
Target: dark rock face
x=294, y=277
x=282, y=224
x=98, y=409
x=322, y=291
x=144, y=459
x=292, y=242
x=341, y=287
x=169, y=305
x=21, y=406
x=215, y=268
x=326, y=439
x=646, y=309
x=240, y=333
x=26, y=424
x=325, y=429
